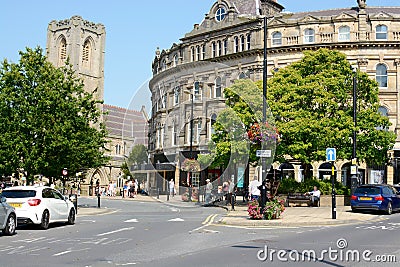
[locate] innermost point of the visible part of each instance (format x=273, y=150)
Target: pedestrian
x=253, y=189
x=172, y=187
x=315, y=196
x=136, y=186
x=209, y=188
x=231, y=190
x=125, y=191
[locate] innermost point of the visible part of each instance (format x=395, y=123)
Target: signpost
x=331, y=156
x=263, y=153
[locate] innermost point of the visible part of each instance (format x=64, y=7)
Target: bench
x=298, y=198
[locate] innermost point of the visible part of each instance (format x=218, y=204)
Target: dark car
x=375, y=197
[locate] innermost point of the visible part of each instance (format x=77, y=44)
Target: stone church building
x=83, y=42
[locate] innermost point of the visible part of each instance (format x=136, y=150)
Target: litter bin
x=74, y=199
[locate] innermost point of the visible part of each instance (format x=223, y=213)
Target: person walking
x=253, y=189
x=172, y=187
x=263, y=193
x=209, y=188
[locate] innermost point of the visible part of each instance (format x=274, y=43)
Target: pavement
x=295, y=216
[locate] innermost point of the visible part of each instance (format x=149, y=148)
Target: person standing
x=209, y=188
x=172, y=187
x=253, y=189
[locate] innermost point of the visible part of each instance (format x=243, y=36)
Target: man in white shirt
x=315, y=195
x=253, y=189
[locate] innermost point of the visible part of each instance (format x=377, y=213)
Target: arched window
x=381, y=32
x=236, y=44
x=219, y=48
x=344, y=33
x=62, y=53
x=214, y=49
x=225, y=46
x=218, y=87
x=193, y=54
x=203, y=52
x=197, y=91
x=381, y=75
x=277, y=38
x=242, y=43
x=248, y=41
x=309, y=36
x=213, y=121
x=86, y=54
x=198, y=53
x=177, y=91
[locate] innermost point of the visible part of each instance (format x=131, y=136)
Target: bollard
x=98, y=200
x=158, y=193
x=167, y=195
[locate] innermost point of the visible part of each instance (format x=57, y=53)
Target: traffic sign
x=263, y=153
x=330, y=154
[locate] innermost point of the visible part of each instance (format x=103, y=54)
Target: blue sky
x=135, y=28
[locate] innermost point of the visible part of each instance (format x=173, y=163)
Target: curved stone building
x=228, y=45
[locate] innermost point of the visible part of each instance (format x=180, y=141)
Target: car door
x=3, y=213
x=60, y=205
x=395, y=198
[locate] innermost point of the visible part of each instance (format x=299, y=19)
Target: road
x=156, y=234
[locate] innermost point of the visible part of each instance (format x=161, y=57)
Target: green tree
x=48, y=121
x=312, y=102
x=137, y=156
x=244, y=109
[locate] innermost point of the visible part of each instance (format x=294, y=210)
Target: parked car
x=40, y=205
x=397, y=187
x=375, y=197
x=8, y=218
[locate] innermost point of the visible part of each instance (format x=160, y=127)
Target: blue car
x=379, y=197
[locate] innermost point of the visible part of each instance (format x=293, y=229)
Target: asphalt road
x=155, y=234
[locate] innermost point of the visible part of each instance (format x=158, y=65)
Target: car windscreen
x=368, y=190
x=18, y=193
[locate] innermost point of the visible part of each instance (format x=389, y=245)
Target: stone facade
x=229, y=45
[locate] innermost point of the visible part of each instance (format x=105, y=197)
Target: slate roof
x=125, y=123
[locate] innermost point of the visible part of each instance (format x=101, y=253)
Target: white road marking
x=176, y=220
x=131, y=220
x=116, y=231
x=174, y=209
x=69, y=251
x=125, y=264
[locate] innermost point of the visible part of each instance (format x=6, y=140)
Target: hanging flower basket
x=191, y=165
x=259, y=133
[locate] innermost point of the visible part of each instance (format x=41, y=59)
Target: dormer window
x=220, y=14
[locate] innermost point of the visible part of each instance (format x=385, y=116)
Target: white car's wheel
x=44, y=223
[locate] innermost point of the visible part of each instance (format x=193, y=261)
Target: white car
x=8, y=219
x=40, y=205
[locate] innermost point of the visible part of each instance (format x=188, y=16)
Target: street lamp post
x=264, y=119
x=354, y=180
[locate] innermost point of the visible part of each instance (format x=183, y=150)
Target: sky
x=134, y=30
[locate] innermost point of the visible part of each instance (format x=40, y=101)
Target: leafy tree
x=312, y=102
x=137, y=156
x=244, y=109
x=48, y=121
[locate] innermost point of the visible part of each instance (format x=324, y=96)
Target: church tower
x=84, y=43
